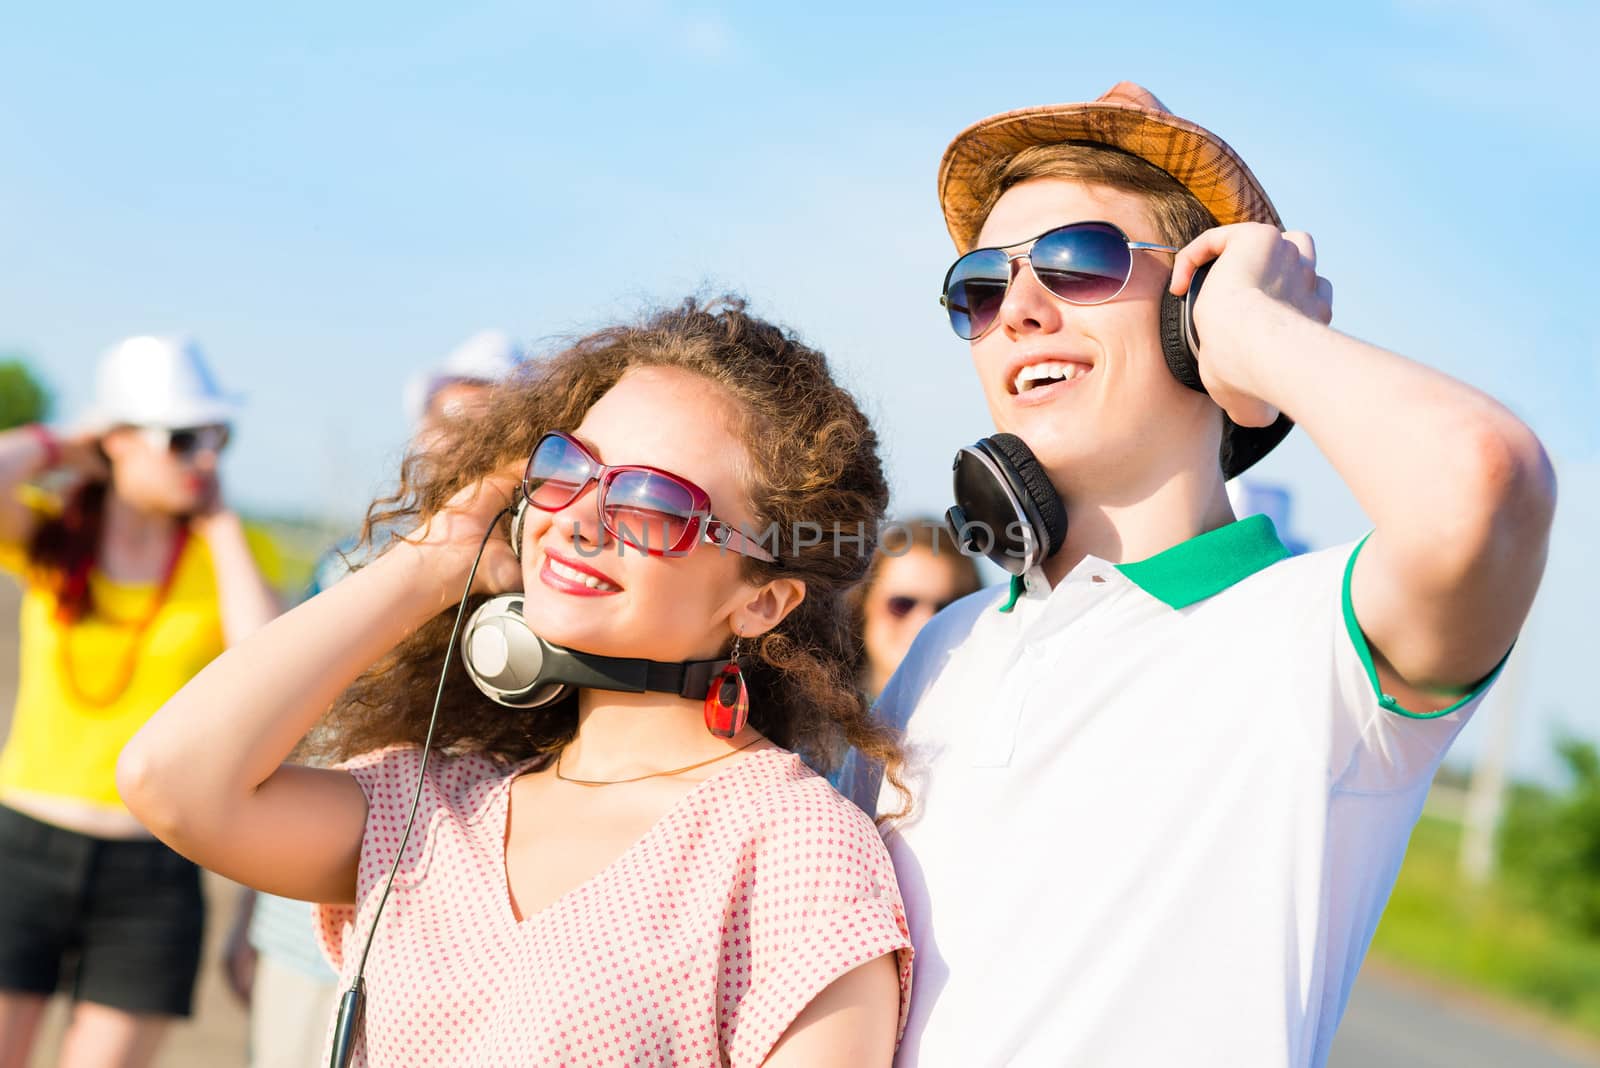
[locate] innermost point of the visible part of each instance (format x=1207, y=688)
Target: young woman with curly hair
x=603, y=878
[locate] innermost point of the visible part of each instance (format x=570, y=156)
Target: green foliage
x=286, y=550
x=23, y=398
x=1551, y=841
x=1532, y=934
x=1492, y=939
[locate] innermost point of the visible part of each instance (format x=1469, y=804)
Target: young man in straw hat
x=1163, y=784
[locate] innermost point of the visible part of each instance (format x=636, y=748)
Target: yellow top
x=64, y=741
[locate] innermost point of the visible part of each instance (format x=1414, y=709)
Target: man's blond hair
x=1178, y=217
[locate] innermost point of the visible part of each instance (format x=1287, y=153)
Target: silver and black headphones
x=515, y=667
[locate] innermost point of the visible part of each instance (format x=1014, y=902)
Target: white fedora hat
x=158, y=381
x=487, y=356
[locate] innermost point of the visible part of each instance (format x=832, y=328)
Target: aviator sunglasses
x=647, y=508
x=1082, y=263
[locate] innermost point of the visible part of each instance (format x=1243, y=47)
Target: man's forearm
x=1443, y=470
x=1461, y=494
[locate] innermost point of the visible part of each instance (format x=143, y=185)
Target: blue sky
x=330, y=196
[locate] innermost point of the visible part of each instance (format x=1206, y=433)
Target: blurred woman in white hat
x=132, y=582
x=460, y=384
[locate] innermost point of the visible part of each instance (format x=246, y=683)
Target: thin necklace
x=653, y=774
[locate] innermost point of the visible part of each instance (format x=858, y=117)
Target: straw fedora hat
x=1128, y=117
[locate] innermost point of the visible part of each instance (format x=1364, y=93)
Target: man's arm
x=1460, y=491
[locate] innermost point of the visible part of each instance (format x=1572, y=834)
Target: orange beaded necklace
x=140, y=626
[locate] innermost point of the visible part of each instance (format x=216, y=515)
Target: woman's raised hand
x=80, y=453
x=450, y=538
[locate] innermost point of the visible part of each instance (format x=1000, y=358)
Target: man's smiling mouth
x=1047, y=372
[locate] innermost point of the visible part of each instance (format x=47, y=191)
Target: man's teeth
x=574, y=575
x=1037, y=373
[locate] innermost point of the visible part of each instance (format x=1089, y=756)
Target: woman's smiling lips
x=571, y=577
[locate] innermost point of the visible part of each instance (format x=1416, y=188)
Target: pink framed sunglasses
x=654, y=511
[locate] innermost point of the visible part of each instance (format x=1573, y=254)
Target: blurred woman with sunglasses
x=917, y=572
x=639, y=877
x=128, y=590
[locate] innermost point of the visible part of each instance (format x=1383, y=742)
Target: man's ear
x=769, y=607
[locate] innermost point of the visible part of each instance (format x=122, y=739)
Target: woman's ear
x=771, y=604
x=115, y=443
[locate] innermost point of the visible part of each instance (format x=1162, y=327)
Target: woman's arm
x=853, y=1021
x=206, y=774
x=238, y=955
x=247, y=602
x=27, y=452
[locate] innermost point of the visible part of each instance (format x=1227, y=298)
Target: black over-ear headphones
x=1006, y=508
x=1180, y=342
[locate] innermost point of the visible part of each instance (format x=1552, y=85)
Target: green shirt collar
x=1201, y=567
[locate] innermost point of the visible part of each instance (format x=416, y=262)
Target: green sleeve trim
x=1017, y=587
x=1358, y=638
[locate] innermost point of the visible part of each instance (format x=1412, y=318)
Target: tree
x=23, y=398
x=1555, y=838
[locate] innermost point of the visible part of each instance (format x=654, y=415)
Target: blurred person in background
x=459, y=386
x=130, y=587
x=271, y=957
x=918, y=571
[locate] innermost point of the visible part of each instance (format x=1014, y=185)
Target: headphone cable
x=352, y=1003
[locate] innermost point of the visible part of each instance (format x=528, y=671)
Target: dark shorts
x=114, y=922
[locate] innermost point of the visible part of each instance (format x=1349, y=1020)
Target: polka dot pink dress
x=699, y=945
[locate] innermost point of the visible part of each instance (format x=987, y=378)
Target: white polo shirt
x=1158, y=811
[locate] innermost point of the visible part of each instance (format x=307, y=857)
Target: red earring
x=727, y=700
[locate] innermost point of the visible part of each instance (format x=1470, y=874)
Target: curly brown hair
x=813, y=466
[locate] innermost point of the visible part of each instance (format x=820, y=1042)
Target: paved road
x=1390, y=1023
